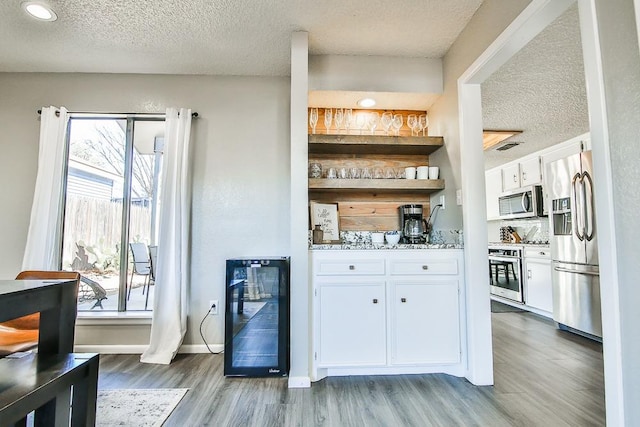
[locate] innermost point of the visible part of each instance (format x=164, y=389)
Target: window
x=110, y=209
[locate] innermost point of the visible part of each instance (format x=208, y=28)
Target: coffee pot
x=414, y=226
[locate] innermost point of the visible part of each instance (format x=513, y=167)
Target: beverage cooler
x=257, y=317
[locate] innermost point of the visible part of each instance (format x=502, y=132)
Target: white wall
x=489, y=21
x=375, y=74
x=617, y=146
x=240, y=168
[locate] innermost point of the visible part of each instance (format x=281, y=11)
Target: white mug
x=423, y=172
x=434, y=171
x=410, y=173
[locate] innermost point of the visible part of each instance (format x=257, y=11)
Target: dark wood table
x=56, y=300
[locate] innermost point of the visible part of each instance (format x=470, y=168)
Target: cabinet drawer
x=418, y=267
x=351, y=268
x=544, y=253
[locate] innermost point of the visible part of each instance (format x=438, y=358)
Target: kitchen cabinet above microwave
x=522, y=174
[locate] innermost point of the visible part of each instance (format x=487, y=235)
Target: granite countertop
x=373, y=246
x=361, y=240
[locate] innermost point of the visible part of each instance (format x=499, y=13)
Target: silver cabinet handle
x=515, y=178
x=524, y=176
x=375, y=300
x=425, y=267
x=352, y=267
x=542, y=253
x=528, y=274
x=403, y=300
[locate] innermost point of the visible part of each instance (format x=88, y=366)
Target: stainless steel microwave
x=523, y=202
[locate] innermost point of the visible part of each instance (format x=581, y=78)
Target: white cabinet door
x=530, y=172
x=539, y=290
x=511, y=177
x=352, y=324
x=493, y=183
x=425, y=327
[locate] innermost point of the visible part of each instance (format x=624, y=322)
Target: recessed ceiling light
x=39, y=11
x=367, y=102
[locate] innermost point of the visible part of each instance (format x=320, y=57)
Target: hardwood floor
x=543, y=377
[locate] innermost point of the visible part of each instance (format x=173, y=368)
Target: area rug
x=137, y=407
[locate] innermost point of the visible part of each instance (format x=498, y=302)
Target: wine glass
x=348, y=119
x=328, y=116
x=372, y=122
x=361, y=121
x=412, y=122
x=397, y=123
x=385, y=121
x=313, y=119
x=338, y=117
x=424, y=122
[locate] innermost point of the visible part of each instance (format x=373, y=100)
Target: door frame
x=534, y=18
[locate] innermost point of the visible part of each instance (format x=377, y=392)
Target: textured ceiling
x=540, y=91
x=221, y=37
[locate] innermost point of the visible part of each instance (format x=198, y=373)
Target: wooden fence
x=97, y=225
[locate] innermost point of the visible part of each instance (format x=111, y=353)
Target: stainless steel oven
x=505, y=271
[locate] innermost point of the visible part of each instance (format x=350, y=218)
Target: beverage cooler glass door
x=257, y=317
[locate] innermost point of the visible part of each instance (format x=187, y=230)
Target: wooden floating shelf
x=374, y=144
x=377, y=185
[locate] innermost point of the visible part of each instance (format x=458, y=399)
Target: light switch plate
x=442, y=200
x=459, y=197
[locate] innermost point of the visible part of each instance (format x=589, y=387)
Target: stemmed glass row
x=369, y=121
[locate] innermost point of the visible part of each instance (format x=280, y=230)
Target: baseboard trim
x=139, y=349
x=201, y=348
x=299, y=382
x=110, y=349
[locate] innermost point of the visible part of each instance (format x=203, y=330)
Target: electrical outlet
x=459, y=197
x=442, y=198
x=213, y=305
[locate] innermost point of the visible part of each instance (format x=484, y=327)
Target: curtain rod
x=193, y=115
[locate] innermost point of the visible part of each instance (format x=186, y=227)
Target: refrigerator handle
x=589, y=224
x=576, y=208
x=568, y=270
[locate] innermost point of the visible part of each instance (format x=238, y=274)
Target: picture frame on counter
x=326, y=214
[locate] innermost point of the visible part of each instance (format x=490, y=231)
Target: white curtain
x=170, y=304
x=43, y=239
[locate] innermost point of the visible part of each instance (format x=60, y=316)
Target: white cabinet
x=522, y=174
x=352, y=323
x=538, y=287
x=493, y=183
x=400, y=314
x=424, y=321
x=530, y=172
x=511, y=177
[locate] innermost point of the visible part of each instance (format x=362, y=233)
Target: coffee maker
x=413, y=224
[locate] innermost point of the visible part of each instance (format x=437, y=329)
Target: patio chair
x=153, y=257
x=141, y=265
x=21, y=334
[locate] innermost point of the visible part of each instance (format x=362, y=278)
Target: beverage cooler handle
x=574, y=212
x=588, y=218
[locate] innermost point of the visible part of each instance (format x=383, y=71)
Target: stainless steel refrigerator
x=574, y=245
